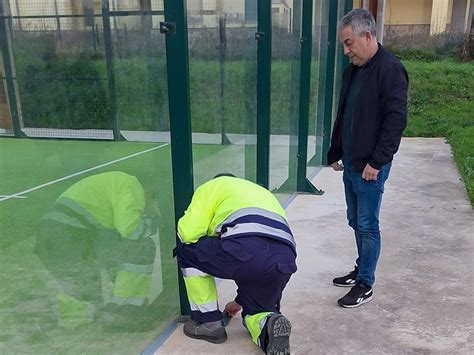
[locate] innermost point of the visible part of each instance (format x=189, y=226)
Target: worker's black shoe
x=213, y=332
x=357, y=296
x=278, y=331
x=348, y=280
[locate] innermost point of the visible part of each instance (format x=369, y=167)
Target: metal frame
x=9, y=78
x=176, y=31
x=329, y=71
x=109, y=58
x=303, y=184
x=289, y=186
x=341, y=60
x=316, y=160
x=264, y=57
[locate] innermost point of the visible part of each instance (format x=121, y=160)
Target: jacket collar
x=376, y=56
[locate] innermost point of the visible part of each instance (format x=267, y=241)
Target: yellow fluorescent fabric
x=71, y=306
x=215, y=200
x=73, y=312
x=255, y=323
x=201, y=289
x=130, y=284
x=115, y=199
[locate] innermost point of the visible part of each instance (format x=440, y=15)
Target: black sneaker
x=357, y=296
x=348, y=280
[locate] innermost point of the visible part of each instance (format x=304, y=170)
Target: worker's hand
x=369, y=173
x=337, y=167
x=232, y=308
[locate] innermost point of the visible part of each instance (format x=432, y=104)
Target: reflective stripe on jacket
x=231, y=207
x=256, y=221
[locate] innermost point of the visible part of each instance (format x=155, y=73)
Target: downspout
x=380, y=20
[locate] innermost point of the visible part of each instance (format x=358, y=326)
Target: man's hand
x=369, y=173
x=337, y=167
x=232, y=308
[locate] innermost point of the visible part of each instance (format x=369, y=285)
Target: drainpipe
x=380, y=19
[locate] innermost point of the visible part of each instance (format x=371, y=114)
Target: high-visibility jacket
x=232, y=207
x=115, y=201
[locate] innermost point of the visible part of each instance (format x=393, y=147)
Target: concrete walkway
x=424, y=294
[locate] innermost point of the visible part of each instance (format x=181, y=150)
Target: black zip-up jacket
x=380, y=113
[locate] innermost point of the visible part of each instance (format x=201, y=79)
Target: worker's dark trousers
x=261, y=268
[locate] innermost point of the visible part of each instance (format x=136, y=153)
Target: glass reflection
x=101, y=249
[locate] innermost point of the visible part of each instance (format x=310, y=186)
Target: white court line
x=4, y=198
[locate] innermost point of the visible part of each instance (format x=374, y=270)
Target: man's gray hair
x=360, y=20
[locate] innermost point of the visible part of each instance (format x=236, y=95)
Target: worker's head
x=357, y=34
x=224, y=174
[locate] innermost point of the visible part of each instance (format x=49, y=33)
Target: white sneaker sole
x=356, y=305
x=344, y=285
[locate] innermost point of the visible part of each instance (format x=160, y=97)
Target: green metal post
x=316, y=161
x=153, y=76
x=329, y=89
x=58, y=23
x=8, y=67
x=264, y=57
x=347, y=7
x=175, y=28
x=109, y=58
x=249, y=92
x=303, y=184
x=289, y=186
x=222, y=76
x=341, y=60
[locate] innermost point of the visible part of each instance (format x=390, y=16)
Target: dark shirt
x=379, y=115
x=349, y=105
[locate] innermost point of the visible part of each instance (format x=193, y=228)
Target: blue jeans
x=363, y=199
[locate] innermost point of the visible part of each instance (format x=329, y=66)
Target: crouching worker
x=101, y=248
x=235, y=229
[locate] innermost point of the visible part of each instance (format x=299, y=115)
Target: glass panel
x=87, y=227
x=286, y=24
x=140, y=76
x=223, y=73
x=318, y=83
x=62, y=79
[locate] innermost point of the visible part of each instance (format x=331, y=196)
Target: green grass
x=72, y=93
x=440, y=97
x=441, y=104
x=27, y=302
x=462, y=143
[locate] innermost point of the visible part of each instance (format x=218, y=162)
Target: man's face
x=355, y=47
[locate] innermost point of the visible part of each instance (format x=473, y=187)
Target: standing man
x=371, y=117
x=235, y=229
